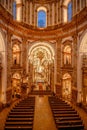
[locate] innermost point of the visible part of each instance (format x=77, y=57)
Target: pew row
x=66, y=118
x=21, y=116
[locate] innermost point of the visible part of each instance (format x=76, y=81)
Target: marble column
x=80, y=4
x=33, y=13
x=86, y=3
x=74, y=7
x=19, y=10
x=58, y=12
x=53, y=18
x=28, y=12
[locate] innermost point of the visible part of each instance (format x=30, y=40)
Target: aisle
x=43, y=119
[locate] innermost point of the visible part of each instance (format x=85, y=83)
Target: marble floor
x=43, y=119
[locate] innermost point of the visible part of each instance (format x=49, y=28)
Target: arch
x=16, y=47
x=66, y=88
x=83, y=45
x=4, y=68
x=41, y=17
x=41, y=61
x=81, y=52
x=66, y=2
x=42, y=8
x=16, y=76
x=67, y=48
x=66, y=76
x=44, y=44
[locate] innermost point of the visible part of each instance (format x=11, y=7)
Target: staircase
x=21, y=116
x=66, y=118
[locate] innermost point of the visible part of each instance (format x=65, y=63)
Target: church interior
x=43, y=64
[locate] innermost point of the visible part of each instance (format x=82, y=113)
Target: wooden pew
x=21, y=116
x=66, y=118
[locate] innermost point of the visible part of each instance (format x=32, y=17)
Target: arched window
x=69, y=11
x=16, y=54
x=14, y=10
x=41, y=18
x=67, y=55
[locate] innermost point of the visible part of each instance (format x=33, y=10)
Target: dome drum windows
x=52, y=13
x=41, y=17
x=69, y=11
x=14, y=10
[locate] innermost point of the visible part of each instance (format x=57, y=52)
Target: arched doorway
x=3, y=69
x=82, y=70
x=41, y=65
x=66, y=87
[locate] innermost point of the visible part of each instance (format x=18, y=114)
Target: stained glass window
x=69, y=11
x=41, y=19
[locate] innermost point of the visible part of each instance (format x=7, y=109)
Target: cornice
x=44, y=1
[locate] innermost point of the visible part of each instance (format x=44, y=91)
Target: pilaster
x=75, y=60
x=58, y=51
x=19, y=10
x=24, y=53
x=9, y=59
